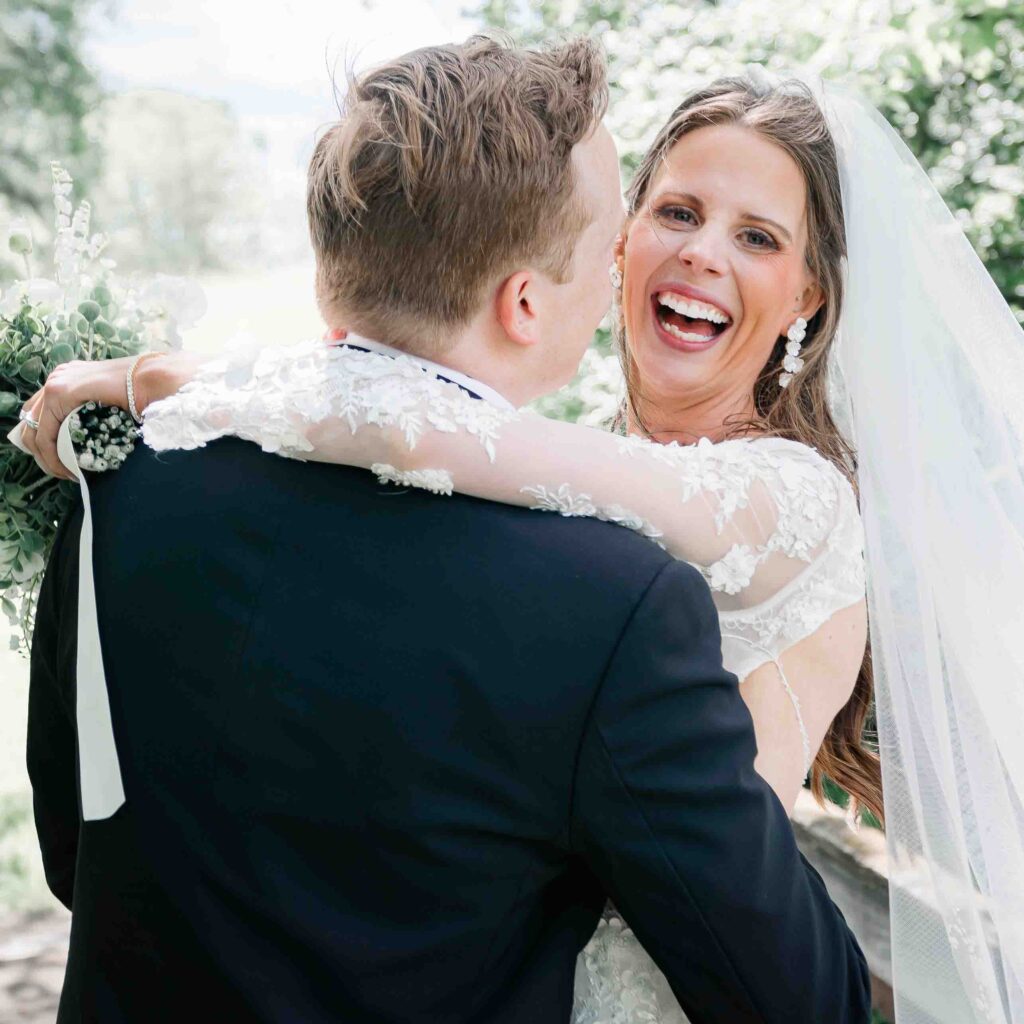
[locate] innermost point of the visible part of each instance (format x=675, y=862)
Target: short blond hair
x=450, y=166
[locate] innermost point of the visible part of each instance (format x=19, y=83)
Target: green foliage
x=46, y=90
x=948, y=74
x=834, y=794
x=31, y=504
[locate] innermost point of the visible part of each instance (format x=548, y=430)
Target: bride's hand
x=105, y=381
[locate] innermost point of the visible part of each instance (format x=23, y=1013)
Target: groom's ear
x=516, y=307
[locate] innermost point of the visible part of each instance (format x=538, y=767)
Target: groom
x=386, y=754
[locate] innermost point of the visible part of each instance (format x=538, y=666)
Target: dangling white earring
x=615, y=274
x=792, y=364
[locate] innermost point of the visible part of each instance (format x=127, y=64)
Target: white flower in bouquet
x=30, y=568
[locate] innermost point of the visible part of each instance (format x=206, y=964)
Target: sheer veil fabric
x=930, y=370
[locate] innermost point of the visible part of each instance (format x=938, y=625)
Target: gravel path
x=33, y=951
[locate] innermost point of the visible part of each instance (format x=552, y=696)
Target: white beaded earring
x=615, y=274
x=792, y=364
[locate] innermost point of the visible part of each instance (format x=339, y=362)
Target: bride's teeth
x=693, y=309
x=683, y=335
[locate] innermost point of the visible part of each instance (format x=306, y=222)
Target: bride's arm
x=74, y=383
x=751, y=523
x=105, y=381
x=754, y=519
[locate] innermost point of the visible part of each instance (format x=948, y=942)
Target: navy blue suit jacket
x=387, y=754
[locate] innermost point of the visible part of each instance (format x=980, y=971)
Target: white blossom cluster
x=103, y=436
x=73, y=248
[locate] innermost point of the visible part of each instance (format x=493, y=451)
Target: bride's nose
x=701, y=252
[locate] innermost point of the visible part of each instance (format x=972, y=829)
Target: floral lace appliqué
x=437, y=481
x=565, y=503
x=732, y=573
x=279, y=393
x=618, y=983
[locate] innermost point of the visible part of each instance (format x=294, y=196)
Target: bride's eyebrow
x=686, y=197
x=767, y=220
x=697, y=203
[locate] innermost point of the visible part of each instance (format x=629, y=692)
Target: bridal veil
x=930, y=383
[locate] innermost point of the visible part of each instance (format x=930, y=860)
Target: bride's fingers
x=42, y=422
x=50, y=419
x=30, y=420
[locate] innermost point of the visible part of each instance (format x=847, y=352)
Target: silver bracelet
x=130, y=383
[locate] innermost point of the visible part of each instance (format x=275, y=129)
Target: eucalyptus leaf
x=61, y=353
x=104, y=328
x=31, y=543
x=31, y=369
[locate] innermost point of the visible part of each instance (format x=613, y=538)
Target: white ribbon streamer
x=99, y=770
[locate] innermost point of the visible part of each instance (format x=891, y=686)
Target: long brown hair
x=787, y=115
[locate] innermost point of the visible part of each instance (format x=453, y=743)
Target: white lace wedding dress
x=772, y=526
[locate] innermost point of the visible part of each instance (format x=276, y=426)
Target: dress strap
x=794, y=699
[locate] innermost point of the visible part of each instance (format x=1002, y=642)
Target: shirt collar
x=488, y=394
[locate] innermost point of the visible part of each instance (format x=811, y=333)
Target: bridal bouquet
x=85, y=312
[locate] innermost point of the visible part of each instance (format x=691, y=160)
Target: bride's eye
x=759, y=239
x=677, y=215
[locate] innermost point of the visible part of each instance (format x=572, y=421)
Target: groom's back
x=348, y=719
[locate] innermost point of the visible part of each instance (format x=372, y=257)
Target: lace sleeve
x=771, y=525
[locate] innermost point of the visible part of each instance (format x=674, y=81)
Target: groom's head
x=466, y=205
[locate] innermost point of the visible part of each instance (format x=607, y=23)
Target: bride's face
x=714, y=266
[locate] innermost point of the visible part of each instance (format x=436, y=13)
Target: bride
x=785, y=268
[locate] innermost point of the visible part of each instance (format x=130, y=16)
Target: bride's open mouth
x=687, y=323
